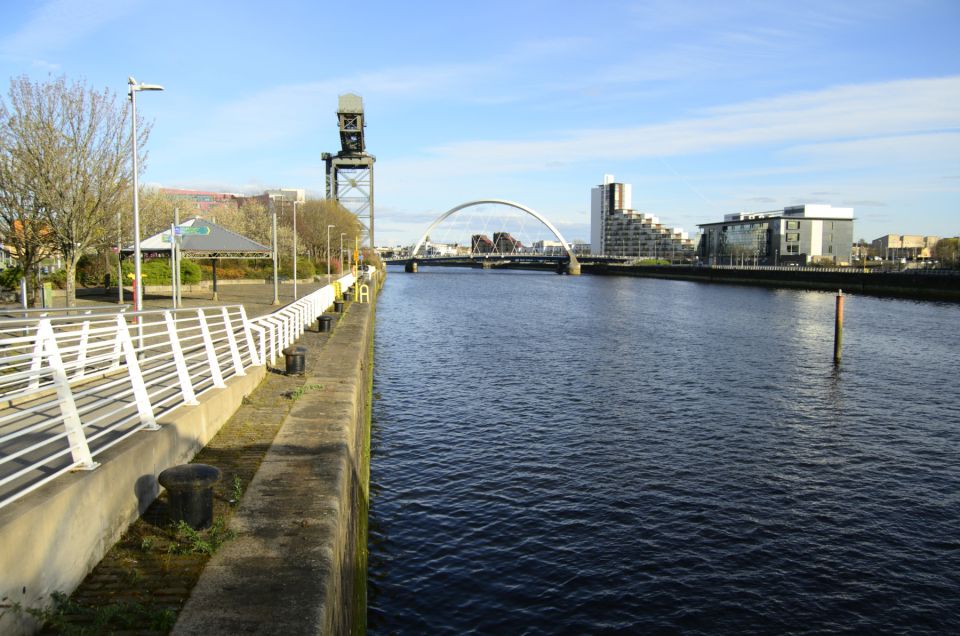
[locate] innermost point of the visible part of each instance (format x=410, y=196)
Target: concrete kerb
x=298, y=522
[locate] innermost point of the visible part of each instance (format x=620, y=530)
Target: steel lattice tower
x=349, y=173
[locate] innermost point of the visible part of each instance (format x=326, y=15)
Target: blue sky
x=705, y=107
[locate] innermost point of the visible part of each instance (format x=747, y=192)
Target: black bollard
x=190, y=491
x=324, y=323
x=295, y=358
x=348, y=295
x=338, y=306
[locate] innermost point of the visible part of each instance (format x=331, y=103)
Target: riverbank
x=906, y=284
x=917, y=284
x=300, y=529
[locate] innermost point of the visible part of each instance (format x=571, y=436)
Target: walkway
x=152, y=569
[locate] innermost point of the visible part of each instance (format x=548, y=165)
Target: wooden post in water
x=838, y=328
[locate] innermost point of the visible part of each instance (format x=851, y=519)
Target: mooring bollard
x=348, y=295
x=295, y=358
x=190, y=493
x=838, y=328
x=338, y=306
x=324, y=323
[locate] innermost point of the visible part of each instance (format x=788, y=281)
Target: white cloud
x=290, y=111
x=926, y=106
x=926, y=149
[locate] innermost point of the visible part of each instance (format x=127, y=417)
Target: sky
x=707, y=108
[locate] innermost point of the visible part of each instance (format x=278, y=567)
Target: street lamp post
x=328, y=252
x=137, y=283
x=276, y=281
x=295, y=202
x=342, y=234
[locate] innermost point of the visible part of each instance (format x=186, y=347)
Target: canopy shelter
x=198, y=239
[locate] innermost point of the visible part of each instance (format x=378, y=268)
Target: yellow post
x=363, y=296
x=838, y=328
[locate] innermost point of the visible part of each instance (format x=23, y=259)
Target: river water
x=593, y=455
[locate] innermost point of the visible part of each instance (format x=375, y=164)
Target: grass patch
x=300, y=391
x=186, y=540
x=65, y=616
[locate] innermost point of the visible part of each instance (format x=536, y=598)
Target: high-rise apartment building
x=616, y=229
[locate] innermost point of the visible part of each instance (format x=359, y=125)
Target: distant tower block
x=350, y=172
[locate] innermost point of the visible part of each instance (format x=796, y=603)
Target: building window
x=793, y=249
x=830, y=249
x=793, y=225
x=793, y=237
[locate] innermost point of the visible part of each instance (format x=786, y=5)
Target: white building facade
x=799, y=234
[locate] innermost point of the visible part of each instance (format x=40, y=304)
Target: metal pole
x=276, y=281
x=23, y=292
x=176, y=247
x=173, y=266
x=295, y=202
x=138, y=289
x=119, y=264
x=342, y=234
x=328, y=253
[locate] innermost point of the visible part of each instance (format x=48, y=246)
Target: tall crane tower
x=349, y=173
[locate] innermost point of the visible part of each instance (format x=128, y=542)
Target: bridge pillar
x=410, y=267
x=486, y=264
x=573, y=268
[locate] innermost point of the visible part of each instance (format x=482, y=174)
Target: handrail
x=72, y=386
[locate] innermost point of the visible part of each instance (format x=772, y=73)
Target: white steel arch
x=512, y=204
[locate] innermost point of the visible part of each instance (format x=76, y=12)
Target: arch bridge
x=570, y=266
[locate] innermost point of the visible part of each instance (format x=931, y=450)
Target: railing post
x=37, y=360
x=140, y=395
x=79, y=449
x=186, y=386
x=248, y=334
x=232, y=340
x=82, y=353
x=215, y=373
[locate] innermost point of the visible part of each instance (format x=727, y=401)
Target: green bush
x=91, y=268
x=305, y=268
x=10, y=278
x=157, y=272
x=58, y=278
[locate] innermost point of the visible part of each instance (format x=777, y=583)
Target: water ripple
x=557, y=455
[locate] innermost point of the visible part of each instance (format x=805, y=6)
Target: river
x=601, y=455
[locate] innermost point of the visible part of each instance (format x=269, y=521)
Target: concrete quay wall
x=298, y=562
x=53, y=537
x=906, y=284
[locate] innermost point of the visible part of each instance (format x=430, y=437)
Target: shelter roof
x=204, y=239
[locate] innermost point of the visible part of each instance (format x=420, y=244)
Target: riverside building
x=912, y=247
x=800, y=234
x=616, y=229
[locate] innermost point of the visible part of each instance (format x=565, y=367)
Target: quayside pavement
x=289, y=511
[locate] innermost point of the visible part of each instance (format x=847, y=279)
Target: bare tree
x=76, y=161
x=317, y=214
x=22, y=216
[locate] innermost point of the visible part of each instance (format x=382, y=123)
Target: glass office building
x=801, y=235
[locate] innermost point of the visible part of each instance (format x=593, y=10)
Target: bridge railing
x=72, y=386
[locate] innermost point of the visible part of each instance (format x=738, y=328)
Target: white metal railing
x=72, y=386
